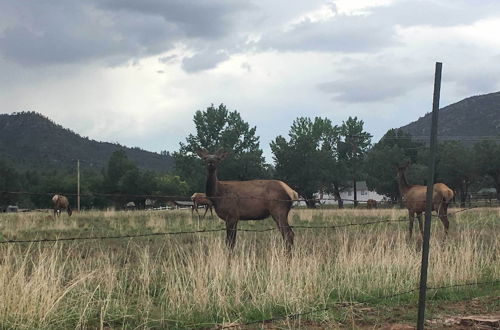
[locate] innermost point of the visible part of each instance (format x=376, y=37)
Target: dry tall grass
x=191, y=280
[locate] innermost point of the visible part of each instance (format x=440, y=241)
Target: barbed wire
x=234, y=196
x=127, y=236
x=363, y=301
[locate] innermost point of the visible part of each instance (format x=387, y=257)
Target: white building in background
x=347, y=195
x=363, y=194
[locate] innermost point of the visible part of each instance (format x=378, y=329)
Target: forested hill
x=473, y=117
x=32, y=141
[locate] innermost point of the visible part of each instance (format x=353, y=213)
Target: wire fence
x=201, y=231
x=165, y=198
x=296, y=316
x=290, y=316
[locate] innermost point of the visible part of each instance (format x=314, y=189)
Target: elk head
x=212, y=160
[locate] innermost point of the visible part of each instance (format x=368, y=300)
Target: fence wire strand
x=294, y=316
x=128, y=236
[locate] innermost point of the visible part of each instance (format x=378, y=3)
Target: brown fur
x=61, y=202
x=414, y=197
x=248, y=200
x=201, y=199
x=371, y=204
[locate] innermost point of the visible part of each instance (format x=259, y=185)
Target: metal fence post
x=428, y=205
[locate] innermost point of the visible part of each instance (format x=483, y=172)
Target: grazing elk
x=248, y=200
x=201, y=199
x=414, y=197
x=61, y=202
x=371, y=204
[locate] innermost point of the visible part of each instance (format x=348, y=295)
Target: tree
x=395, y=148
x=309, y=161
x=171, y=185
x=121, y=178
x=353, y=148
x=455, y=167
x=487, y=161
x=220, y=128
x=9, y=182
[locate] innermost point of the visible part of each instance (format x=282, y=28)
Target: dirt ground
x=477, y=313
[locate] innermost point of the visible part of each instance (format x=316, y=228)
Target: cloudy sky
x=134, y=72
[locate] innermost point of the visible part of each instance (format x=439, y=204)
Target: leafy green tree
x=353, y=149
x=395, y=148
x=487, y=162
x=121, y=179
x=309, y=161
x=171, y=185
x=9, y=182
x=216, y=128
x=455, y=167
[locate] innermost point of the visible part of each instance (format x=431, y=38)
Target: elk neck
x=403, y=184
x=211, y=187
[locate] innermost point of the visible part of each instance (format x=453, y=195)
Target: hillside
x=32, y=141
x=473, y=117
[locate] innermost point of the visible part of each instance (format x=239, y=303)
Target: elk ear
x=202, y=153
x=221, y=154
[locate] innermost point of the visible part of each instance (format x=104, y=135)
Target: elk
x=248, y=200
x=371, y=204
x=414, y=197
x=201, y=199
x=61, y=202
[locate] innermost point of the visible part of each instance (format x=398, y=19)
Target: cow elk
x=61, y=203
x=248, y=200
x=201, y=199
x=414, y=197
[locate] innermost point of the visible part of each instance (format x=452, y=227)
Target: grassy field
x=191, y=281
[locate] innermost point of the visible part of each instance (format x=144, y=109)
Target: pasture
x=192, y=281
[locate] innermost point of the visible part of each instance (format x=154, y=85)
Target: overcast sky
x=134, y=72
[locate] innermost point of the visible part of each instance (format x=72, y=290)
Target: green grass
x=191, y=280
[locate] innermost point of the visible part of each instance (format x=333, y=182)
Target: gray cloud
x=71, y=31
x=365, y=83
x=339, y=34
x=376, y=29
x=203, y=61
x=168, y=59
x=196, y=19
x=117, y=31
x=435, y=13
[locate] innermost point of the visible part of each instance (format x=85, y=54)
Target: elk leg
x=420, y=223
x=286, y=231
x=443, y=216
x=206, y=210
x=412, y=218
x=231, y=227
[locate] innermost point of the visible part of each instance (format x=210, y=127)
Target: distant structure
x=347, y=195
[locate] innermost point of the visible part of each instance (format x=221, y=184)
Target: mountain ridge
x=469, y=120
x=32, y=140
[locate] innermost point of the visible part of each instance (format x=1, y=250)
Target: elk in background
x=414, y=197
x=61, y=203
x=248, y=200
x=201, y=199
x=371, y=204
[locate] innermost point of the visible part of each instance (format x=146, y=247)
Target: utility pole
x=428, y=205
x=78, y=185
